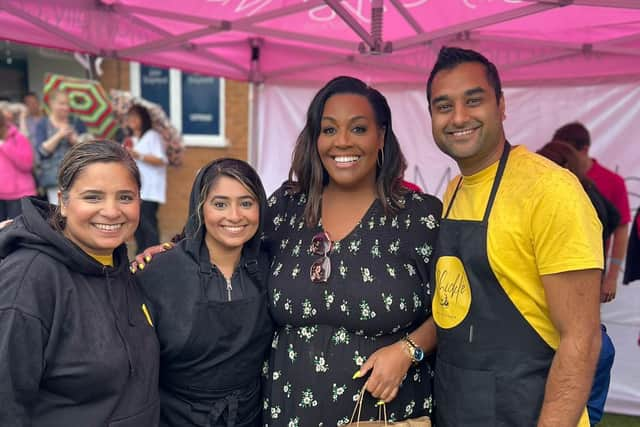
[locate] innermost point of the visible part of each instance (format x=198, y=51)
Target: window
x=195, y=103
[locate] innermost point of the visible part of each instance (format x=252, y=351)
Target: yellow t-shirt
x=103, y=259
x=542, y=222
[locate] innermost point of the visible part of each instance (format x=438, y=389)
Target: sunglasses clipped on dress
x=321, y=267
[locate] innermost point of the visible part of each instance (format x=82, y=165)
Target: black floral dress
x=377, y=292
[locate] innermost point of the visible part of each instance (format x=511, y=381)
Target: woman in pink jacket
x=16, y=161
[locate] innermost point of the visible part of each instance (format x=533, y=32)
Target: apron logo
x=452, y=299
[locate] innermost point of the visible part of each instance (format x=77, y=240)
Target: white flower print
x=293, y=355
x=300, y=225
x=387, y=300
x=340, y=336
x=307, y=309
x=265, y=403
x=276, y=271
x=335, y=247
x=274, y=341
x=294, y=422
x=417, y=196
x=272, y=201
x=358, y=359
x=284, y=243
x=403, y=304
x=372, y=223
x=343, y=421
x=407, y=222
x=329, y=297
x=276, y=296
x=265, y=368
x=367, y=277
x=292, y=221
x=417, y=302
x=417, y=377
x=320, y=363
x=424, y=251
x=383, y=220
x=410, y=269
x=275, y=412
x=354, y=246
x=344, y=307
x=307, y=332
x=296, y=249
x=394, y=247
x=394, y=222
x=366, y=312
x=295, y=271
x=408, y=409
x=288, y=306
x=342, y=269
x=430, y=221
x=276, y=375
x=427, y=403
x=307, y=400
x=302, y=200
x=391, y=271
x=375, y=250
x=337, y=391
x=277, y=220
x=287, y=389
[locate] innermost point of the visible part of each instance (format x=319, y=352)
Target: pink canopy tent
x=380, y=41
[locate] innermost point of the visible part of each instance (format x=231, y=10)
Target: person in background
x=149, y=152
x=613, y=188
x=565, y=155
x=34, y=114
x=16, y=161
x=208, y=299
x=518, y=266
x=77, y=345
x=55, y=135
x=349, y=285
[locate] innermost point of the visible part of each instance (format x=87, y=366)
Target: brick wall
x=172, y=214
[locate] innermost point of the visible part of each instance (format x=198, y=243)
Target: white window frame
x=175, y=107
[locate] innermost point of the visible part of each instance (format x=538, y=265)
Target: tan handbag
x=382, y=417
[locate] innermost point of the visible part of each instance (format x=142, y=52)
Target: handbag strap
x=382, y=411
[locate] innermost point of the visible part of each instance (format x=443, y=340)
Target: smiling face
x=349, y=141
x=231, y=215
x=59, y=105
x=466, y=118
x=102, y=208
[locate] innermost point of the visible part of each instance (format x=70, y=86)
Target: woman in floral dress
x=349, y=284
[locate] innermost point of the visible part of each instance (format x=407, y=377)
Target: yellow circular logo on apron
x=452, y=299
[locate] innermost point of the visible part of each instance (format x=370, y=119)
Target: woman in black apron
x=207, y=300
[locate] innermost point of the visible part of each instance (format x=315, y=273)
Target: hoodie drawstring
x=115, y=316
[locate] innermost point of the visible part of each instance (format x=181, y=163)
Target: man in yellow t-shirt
x=518, y=266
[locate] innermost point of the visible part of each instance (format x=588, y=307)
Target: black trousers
x=9, y=209
x=147, y=233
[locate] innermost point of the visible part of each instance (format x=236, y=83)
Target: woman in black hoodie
x=77, y=345
x=207, y=297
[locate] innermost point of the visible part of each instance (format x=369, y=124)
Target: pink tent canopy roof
x=314, y=40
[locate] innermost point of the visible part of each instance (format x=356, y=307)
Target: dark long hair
x=308, y=175
x=78, y=158
x=145, y=117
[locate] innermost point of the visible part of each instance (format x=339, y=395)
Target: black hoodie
x=212, y=346
x=75, y=346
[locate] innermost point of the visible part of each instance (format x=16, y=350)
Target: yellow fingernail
x=147, y=258
x=166, y=245
x=356, y=375
x=141, y=266
x=132, y=270
x=380, y=402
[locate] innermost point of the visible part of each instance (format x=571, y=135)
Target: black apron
x=204, y=385
x=492, y=366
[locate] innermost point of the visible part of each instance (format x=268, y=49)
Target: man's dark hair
x=35, y=95
x=573, y=133
x=451, y=57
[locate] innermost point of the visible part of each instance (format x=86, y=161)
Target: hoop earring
x=380, y=158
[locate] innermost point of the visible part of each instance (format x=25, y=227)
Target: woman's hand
x=388, y=366
x=145, y=257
